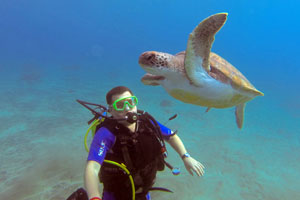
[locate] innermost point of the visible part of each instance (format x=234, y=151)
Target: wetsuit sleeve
x=101, y=144
x=166, y=132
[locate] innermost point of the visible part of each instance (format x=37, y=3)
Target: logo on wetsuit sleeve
x=102, y=147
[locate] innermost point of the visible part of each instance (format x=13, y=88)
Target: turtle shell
x=223, y=71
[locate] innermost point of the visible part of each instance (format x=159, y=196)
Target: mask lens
x=133, y=101
x=120, y=104
x=130, y=101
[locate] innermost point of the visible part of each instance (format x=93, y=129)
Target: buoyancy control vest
x=140, y=151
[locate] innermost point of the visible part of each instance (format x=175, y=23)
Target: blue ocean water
x=54, y=52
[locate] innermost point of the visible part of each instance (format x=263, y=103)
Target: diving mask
x=120, y=104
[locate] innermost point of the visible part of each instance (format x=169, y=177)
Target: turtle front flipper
x=198, y=48
x=154, y=80
x=239, y=114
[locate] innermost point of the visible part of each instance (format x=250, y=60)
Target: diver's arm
x=177, y=144
x=190, y=163
x=91, y=180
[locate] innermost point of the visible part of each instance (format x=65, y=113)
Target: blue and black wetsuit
x=144, y=151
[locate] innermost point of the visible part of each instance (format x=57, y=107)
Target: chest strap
x=126, y=155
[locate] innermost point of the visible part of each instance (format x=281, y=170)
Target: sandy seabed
x=43, y=157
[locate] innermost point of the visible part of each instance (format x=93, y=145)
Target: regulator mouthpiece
x=131, y=117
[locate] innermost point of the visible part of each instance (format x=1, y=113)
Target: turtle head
x=157, y=63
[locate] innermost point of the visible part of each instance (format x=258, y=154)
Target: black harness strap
x=126, y=156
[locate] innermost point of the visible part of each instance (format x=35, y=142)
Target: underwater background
x=54, y=52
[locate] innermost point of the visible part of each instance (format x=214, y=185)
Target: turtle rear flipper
x=239, y=114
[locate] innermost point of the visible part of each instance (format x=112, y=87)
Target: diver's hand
x=193, y=165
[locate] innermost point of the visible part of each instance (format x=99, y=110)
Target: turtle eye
x=150, y=57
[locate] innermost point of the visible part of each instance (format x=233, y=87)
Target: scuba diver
x=128, y=149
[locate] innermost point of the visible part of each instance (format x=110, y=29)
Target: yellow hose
x=94, y=124
x=122, y=166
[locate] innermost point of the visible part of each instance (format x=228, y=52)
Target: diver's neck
x=131, y=127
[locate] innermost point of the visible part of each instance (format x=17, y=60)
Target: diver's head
x=121, y=101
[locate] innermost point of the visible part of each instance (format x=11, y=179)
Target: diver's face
x=121, y=114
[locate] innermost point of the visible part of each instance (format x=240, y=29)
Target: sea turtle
x=198, y=76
